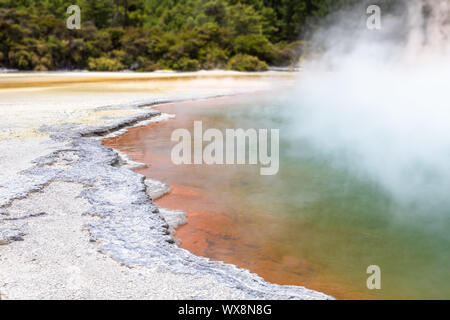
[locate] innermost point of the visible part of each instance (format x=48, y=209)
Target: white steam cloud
x=382, y=99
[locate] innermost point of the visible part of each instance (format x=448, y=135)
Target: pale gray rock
x=10, y=235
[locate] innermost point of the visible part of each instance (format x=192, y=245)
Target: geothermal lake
x=315, y=223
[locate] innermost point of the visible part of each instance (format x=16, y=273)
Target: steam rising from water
x=378, y=102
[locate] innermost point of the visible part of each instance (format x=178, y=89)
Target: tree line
x=148, y=35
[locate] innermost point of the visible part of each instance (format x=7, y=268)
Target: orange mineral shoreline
x=216, y=229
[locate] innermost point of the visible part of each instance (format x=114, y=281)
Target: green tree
x=100, y=12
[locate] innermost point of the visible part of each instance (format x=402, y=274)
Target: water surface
x=313, y=224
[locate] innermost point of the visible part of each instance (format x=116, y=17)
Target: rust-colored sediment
x=218, y=235
x=216, y=229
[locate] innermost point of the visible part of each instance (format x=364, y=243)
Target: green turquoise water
x=346, y=222
x=316, y=223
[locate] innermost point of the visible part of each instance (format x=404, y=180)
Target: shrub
x=186, y=64
x=245, y=62
x=40, y=68
x=213, y=58
x=147, y=65
x=256, y=45
x=45, y=63
x=116, y=37
x=23, y=59
x=104, y=64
